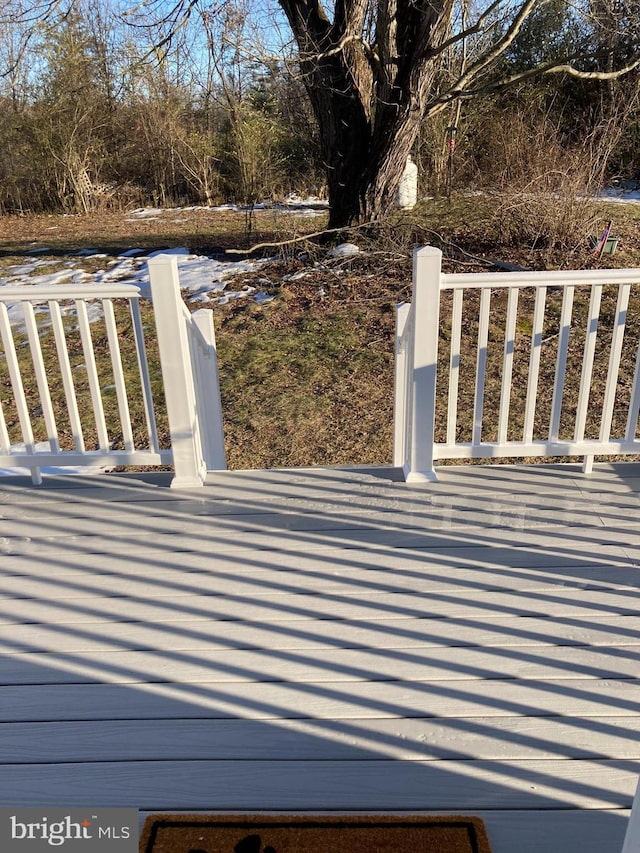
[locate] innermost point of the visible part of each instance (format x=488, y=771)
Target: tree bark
x=345, y=139
x=368, y=99
x=373, y=74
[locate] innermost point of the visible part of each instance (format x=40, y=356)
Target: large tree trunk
x=363, y=188
x=369, y=100
x=345, y=139
x=365, y=184
x=390, y=148
x=364, y=159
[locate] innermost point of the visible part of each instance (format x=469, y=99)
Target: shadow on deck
x=328, y=640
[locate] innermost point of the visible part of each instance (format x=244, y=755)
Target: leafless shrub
x=544, y=185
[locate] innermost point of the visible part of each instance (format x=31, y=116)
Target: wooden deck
x=329, y=640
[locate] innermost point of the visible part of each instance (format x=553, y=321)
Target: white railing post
x=423, y=363
x=175, y=359
x=632, y=836
x=400, y=387
x=209, y=402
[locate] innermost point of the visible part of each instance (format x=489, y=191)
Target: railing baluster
x=634, y=404
x=507, y=369
x=534, y=363
x=41, y=376
x=481, y=364
x=92, y=374
x=614, y=361
x=67, y=376
x=145, y=380
x=587, y=361
x=561, y=362
x=408, y=383
x=22, y=406
x=5, y=446
x=454, y=365
x=118, y=373
x=400, y=385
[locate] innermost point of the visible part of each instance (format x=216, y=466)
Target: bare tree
x=374, y=70
x=371, y=69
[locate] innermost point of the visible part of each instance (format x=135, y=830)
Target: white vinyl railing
x=77, y=386
x=632, y=836
x=190, y=372
x=549, y=361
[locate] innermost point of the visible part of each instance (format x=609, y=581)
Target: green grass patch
x=307, y=383
x=308, y=378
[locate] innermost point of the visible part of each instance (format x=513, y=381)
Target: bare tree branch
x=593, y=75
x=562, y=66
x=501, y=45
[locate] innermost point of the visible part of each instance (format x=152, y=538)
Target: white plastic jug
x=408, y=189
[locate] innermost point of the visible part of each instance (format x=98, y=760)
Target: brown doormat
x=313, y=834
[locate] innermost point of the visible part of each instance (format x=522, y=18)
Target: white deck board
x=481, y=561
x=329, y=639
x=180, y=634
x=349, y=665
x=321, y=700
x=319, y=517
x=377, y=606
x=354, y=784
x=383, y=500
x=324, y=576
x=533, y=832
x=553, y=543
x=369, y=738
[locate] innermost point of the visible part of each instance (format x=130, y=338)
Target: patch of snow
x=620, y=196
x=294, y=200
x=145, y=212
x=343, y=250
x=247, y=290
x=293, y=203
x=201, y=278
x=296, y=276
x=27, y=269
x=206, y=275
x=20, y=276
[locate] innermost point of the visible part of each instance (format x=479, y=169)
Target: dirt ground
x=308, y=378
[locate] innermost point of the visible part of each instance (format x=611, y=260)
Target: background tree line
x=93, y=113
x=101, y=108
